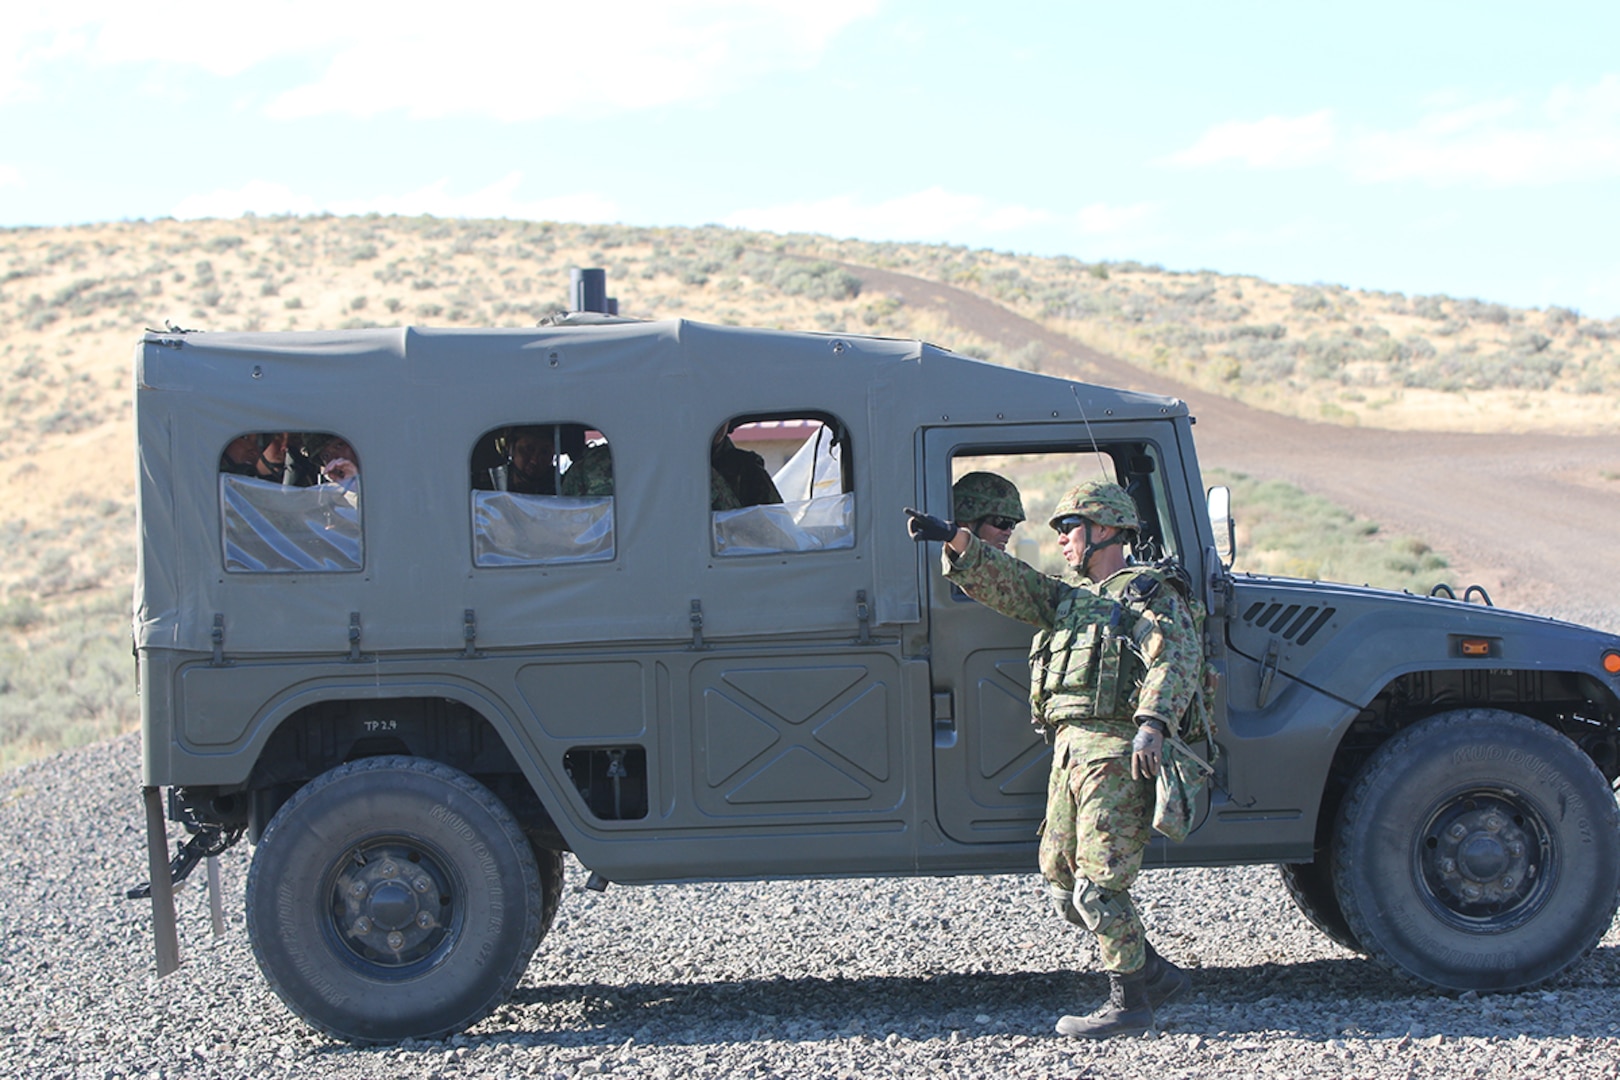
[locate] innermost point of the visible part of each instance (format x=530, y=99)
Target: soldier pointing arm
x=1113, y=667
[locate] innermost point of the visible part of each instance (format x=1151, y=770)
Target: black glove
x=928, y=527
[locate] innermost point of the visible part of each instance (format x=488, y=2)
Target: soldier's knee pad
x=1063, y=904
x=1099, y=908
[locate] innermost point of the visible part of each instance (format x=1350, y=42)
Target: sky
x=1466, y=149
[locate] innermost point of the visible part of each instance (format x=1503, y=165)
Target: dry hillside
x=1261, y=358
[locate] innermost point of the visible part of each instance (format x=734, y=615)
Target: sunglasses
x=1004, y=523
x=1068, y=524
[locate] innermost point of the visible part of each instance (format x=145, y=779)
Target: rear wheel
x=394, y=898
x=1478, y=850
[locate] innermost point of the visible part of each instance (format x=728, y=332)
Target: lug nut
x=1457, y=831
x=422, y=884
x=389, y=869
x=396, y=940
x=357, y=889
x=424, y=920
x=362, y=926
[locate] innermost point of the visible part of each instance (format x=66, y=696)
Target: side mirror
x=1220, y=519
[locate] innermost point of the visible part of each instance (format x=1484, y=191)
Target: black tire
x=1478, y=850
x=1311, y=886
x=550, y=864
x=394, y=898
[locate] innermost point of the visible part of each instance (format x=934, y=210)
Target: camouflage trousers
x=1098, y=820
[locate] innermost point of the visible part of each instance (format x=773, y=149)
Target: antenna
x=1102, y=463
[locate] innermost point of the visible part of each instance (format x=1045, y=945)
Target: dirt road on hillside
x=1529, y=517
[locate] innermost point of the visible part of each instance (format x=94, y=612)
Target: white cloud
x=510, y=61
x=499, y=199
x=11, y=176
x=933, y=213
x=1276, y=142
x=1102, y=219
x=1573, y=134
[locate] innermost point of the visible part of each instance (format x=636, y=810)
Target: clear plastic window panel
x=275, y=528
x=532, y=530
x=821, y=524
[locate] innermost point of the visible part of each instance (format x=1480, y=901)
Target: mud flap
x=165, y=934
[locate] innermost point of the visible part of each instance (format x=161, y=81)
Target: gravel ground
x=953, y=977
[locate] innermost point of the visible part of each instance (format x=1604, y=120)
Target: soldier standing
x=1113, y=669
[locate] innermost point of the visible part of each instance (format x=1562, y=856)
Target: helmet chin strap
x=1091, y=548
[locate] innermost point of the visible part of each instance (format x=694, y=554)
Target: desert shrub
x=1027, y=357
x=1193, y=296
x=72, y=683
x=1309, y=299
x=1285, y=530
x=1528, y=341
x=1267, y=332
x=1481, y=312
x=1429, y=307
x=20, y=613
x=795, y=277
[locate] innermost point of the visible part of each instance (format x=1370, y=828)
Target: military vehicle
x=507, y=608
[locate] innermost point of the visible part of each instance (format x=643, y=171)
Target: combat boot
x=1127, y=1011
x=1163, y=979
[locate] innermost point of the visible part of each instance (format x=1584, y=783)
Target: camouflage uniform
x=592, y=474
x=1106, y=655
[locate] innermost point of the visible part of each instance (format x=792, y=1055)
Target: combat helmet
x=984, y=494
x=1099, y=502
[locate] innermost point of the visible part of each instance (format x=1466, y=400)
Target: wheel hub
x=390, y=904
x=1483, y=859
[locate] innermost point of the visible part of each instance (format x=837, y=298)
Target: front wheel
x=1311, y=887
x=1478, y=850
x=394, y=898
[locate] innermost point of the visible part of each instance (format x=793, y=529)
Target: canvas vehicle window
x=781, y=484
x=290, y=503
x=542, y=493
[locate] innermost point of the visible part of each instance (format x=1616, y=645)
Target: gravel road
x=959, y=977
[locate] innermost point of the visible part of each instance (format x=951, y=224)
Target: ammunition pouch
x=1089, y=670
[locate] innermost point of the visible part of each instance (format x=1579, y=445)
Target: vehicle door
x=990, y=762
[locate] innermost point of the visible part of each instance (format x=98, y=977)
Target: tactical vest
x=1089, y=665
